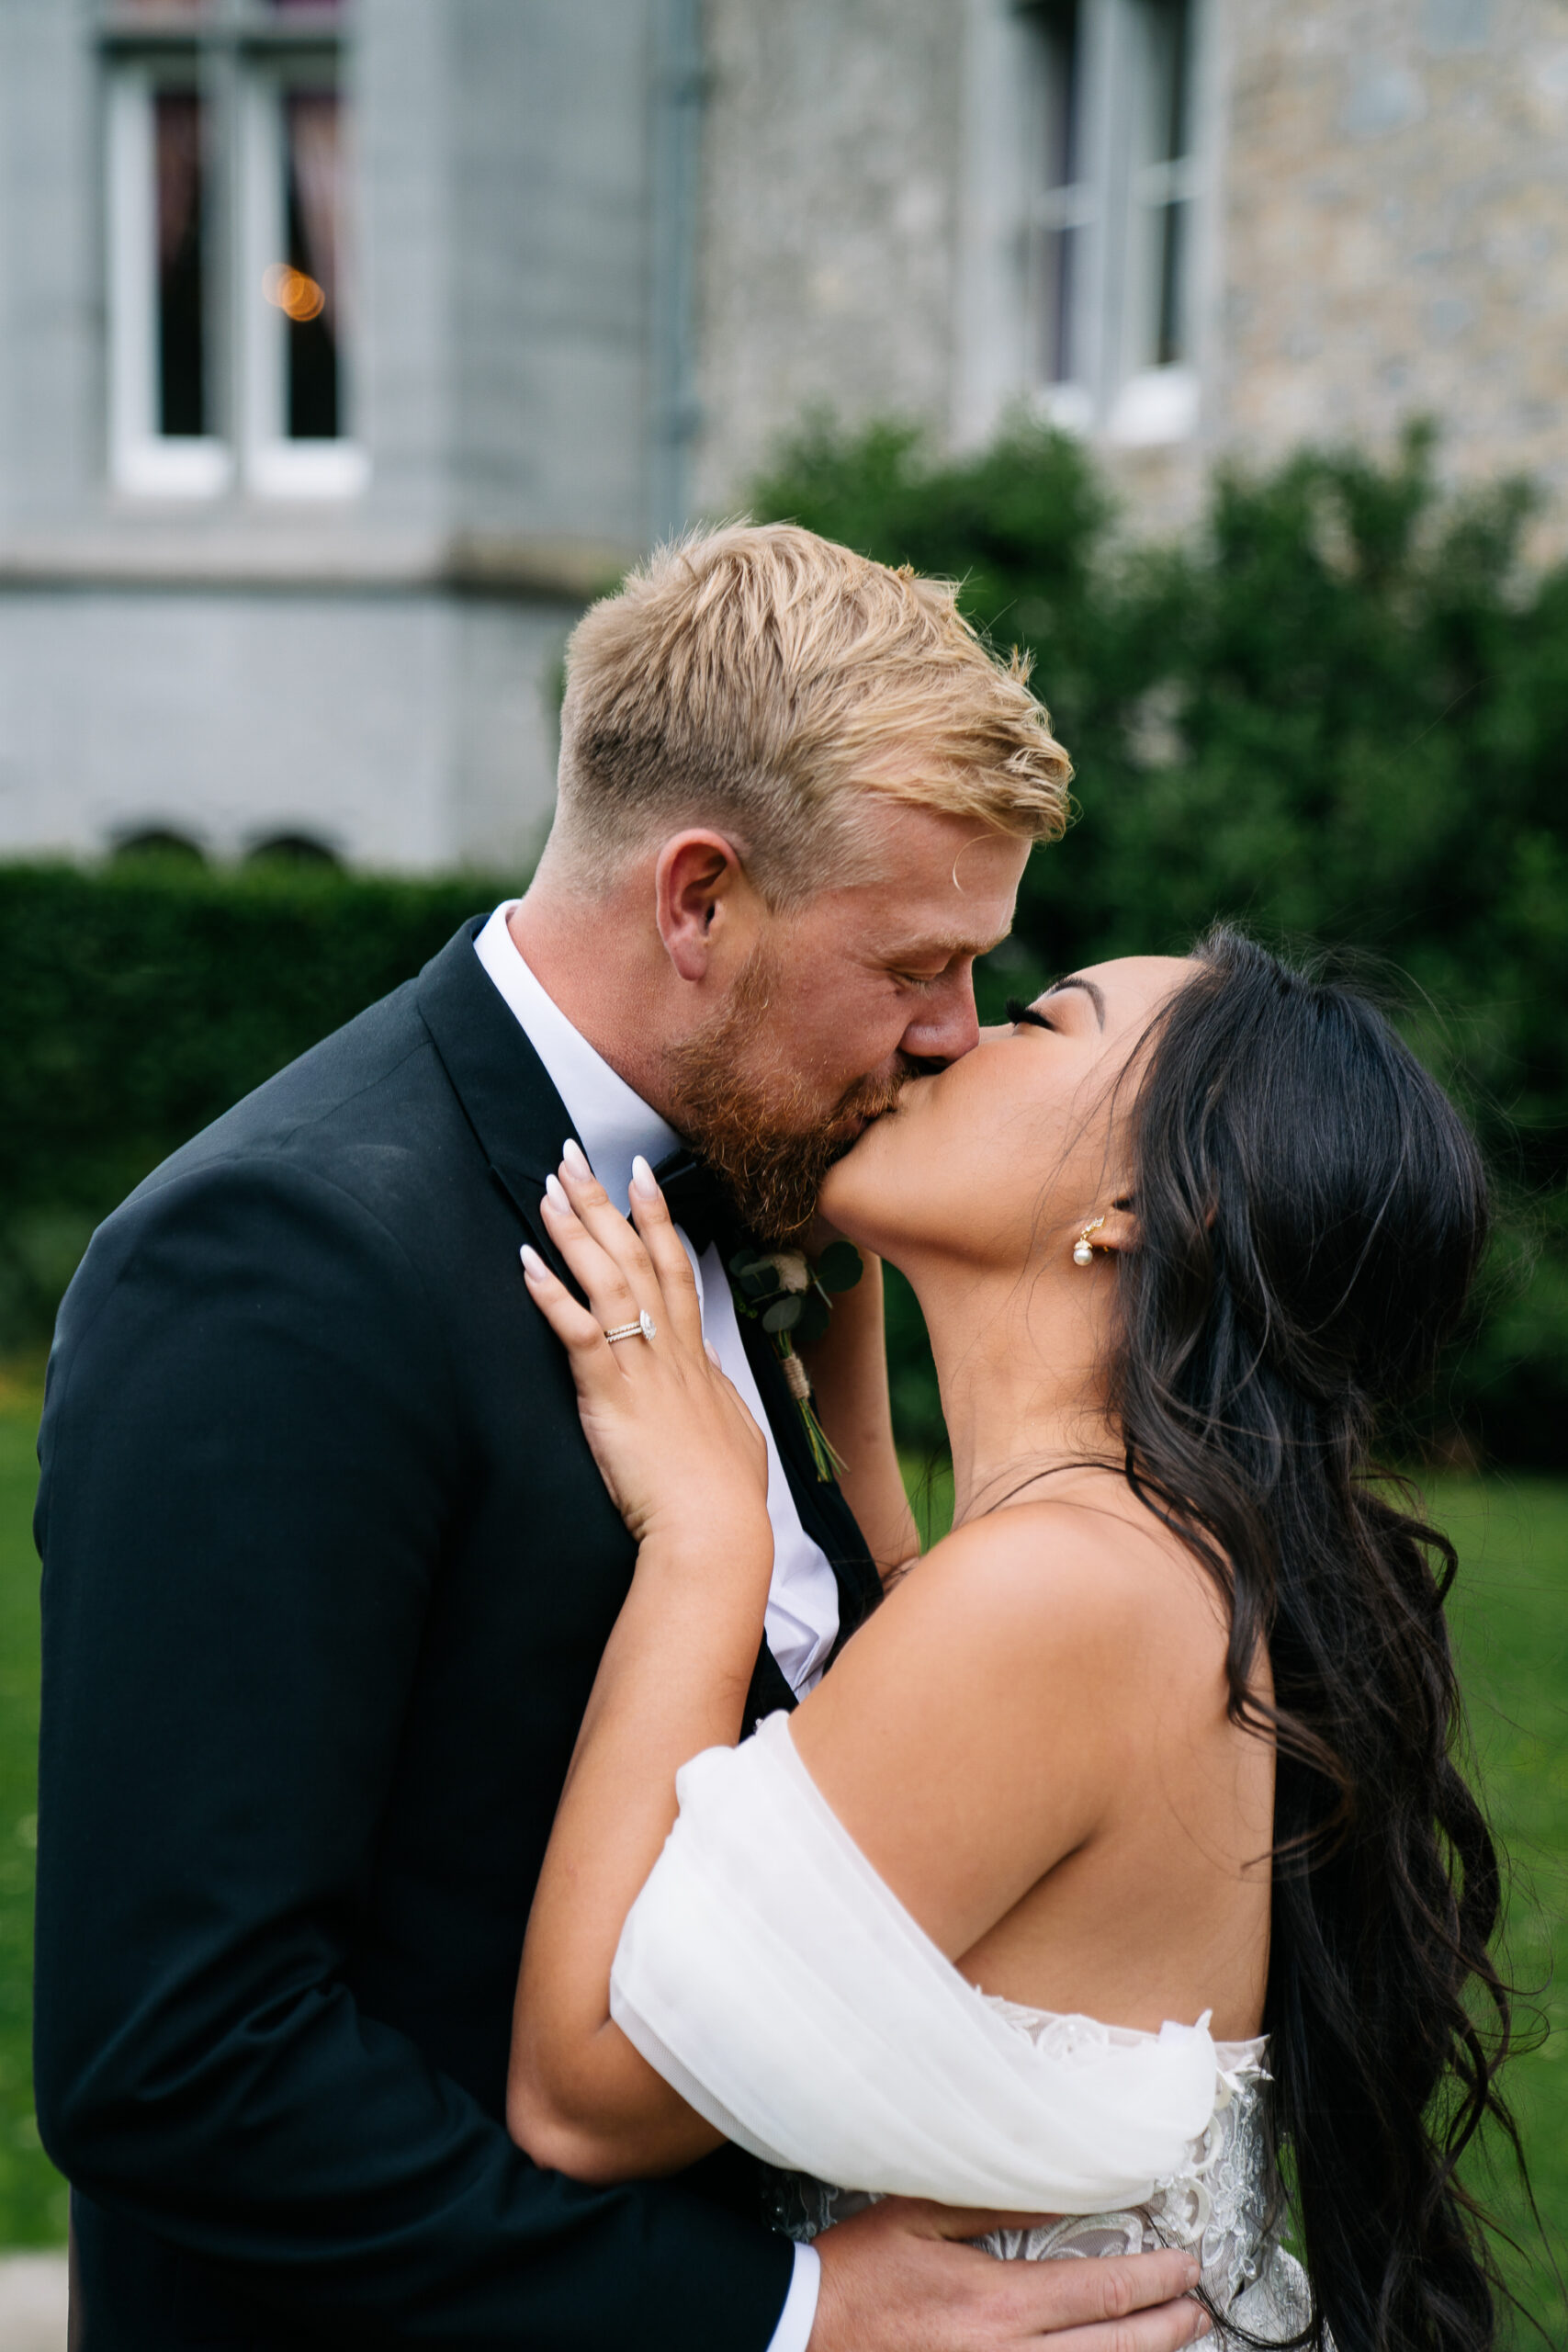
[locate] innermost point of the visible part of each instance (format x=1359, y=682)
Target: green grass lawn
x=1510, y=1612
x=1512, y=1615
x=32, y=2195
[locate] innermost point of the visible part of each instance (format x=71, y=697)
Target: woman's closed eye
x=1021, y=1014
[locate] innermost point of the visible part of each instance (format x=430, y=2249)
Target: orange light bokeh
x=289, y=291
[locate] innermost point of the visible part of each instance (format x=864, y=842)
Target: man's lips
x=855, y=1124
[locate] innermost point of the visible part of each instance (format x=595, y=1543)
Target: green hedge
x=139, y=1002
x=1338, y=714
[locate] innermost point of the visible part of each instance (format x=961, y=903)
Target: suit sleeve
x=249, y=1450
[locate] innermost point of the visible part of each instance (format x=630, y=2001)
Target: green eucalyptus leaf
x=840, y=1267
x=783, y=1314
x=759, y=1282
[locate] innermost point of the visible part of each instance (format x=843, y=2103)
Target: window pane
x=178, y=131
x=1171, y=49
x=1160, y=181
x=309, y=289
x=1058, y=203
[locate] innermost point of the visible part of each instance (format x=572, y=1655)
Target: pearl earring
x=1083, y=1248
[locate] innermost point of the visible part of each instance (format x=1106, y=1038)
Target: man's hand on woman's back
x=895, y=2279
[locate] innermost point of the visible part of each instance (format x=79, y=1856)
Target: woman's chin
x=837, y=1200
x=852, y=1188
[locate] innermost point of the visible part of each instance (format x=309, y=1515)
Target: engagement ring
x=644, y=1328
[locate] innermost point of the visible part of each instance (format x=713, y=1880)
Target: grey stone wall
x=1383, y=233
x=832, y=173
x=550, y=245
x=409, y=731
x=1396, y=229
x=53, y=430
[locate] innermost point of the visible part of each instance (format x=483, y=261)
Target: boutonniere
x=793, y=1299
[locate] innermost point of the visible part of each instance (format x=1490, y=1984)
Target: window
x=230, y=251
x=1161, y=185
x=294, y=288
x=1108, y=235
x=1060, y=206
x=159, y=270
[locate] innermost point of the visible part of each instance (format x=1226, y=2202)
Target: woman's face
x=1011, y=1150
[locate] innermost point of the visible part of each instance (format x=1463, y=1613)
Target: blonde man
x=328, y=1568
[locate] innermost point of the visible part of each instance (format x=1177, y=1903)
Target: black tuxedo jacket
x=327, y=1573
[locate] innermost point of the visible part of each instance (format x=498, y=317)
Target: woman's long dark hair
x=1312, y=1210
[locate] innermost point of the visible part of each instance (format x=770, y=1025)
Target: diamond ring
x=644, y=1328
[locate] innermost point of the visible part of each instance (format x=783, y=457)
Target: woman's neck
x=1020, y=1363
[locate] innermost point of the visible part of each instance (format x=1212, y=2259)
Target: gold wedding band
x=644, y=1328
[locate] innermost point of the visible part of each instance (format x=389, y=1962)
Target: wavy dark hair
x=1312, y=1210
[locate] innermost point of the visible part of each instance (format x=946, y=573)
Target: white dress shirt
x=613, y=1125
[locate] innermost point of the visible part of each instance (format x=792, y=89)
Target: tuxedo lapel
x=504, y=1087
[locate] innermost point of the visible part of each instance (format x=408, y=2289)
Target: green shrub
x=1339, y=716
x=139, y=1002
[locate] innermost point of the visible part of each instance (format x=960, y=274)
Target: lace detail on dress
x=1223, y=2204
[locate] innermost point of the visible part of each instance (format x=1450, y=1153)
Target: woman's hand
x=687, y=1468
x=674, y=1445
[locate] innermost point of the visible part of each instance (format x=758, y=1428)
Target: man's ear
x=699, y=894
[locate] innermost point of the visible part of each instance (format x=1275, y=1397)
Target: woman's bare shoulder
x=1086, y=1564
x=1009, y=1693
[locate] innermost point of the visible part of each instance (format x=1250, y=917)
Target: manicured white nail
x=532, y=1261
x=572, y=1155
x=556, y=1195
x=645, y=1184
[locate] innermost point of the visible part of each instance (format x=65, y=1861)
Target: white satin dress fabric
x=772, y=1978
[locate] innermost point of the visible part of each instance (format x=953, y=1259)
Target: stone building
x=346, y=346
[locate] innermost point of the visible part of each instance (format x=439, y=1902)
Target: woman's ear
x=1117, y=1229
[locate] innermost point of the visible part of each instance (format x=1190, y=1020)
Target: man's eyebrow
x=1071, y=980
x=946, y=944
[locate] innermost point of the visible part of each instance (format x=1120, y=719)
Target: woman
x=1148, y=1759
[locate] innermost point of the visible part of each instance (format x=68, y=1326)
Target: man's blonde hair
x=764, y=681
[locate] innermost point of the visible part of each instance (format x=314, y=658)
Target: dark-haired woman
x=1123, y=1847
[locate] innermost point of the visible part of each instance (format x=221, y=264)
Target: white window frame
x=274, y=466
x=143, y=461
x=243, y=88
x=1147, y=403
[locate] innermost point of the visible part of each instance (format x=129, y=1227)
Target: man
x=328, y=1568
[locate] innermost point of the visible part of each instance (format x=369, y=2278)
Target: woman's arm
x=687, y=1467
x=985, y=1724
x=849, y=1379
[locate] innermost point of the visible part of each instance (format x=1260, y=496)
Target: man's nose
x=946, y=1027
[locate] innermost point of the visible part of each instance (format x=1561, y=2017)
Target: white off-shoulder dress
x=768, y=1975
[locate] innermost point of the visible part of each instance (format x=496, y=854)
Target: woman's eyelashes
x=1018, y=1013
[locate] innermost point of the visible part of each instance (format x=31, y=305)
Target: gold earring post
x=1083, y=1248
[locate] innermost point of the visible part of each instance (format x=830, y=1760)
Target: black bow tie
x=695, y=1198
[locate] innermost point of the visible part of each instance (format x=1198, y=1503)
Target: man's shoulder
x=365, y=1124
x=378, y=1082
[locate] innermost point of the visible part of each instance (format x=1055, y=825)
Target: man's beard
x=762, y=1133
